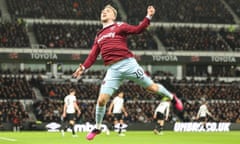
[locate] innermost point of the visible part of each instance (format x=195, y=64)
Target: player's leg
x=121, y=127
x=99, y=114
x=71, y=125
x=110, y=83
x=205, y=123
x=62, y=128
x=115, y=122
x=161, y=90
x=159, y=125
x=137, y=74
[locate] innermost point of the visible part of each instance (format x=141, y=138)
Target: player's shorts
x=118, y=116
x=125, y=69
x=71, y=117
x=202, y=119
x=160, y=116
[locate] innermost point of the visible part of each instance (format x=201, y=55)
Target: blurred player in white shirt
x=118, y=110
x=203, y=113
x=161, y=114
x=69, y=110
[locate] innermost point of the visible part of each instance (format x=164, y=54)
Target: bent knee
x=153, y=88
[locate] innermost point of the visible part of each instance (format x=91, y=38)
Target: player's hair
x=112, y=8
x=121, y=93
x=72, y=90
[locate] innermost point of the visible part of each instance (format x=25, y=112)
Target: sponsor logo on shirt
x=108, y=35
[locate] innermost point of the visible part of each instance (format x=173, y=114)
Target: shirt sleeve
x=135, y=29
x=92, y=56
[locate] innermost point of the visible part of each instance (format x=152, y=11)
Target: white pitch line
x=7, y=139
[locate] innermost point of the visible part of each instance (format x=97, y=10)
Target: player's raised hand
x=150, y=10
x=78, y=71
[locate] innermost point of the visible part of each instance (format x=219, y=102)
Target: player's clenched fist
x=150, y=10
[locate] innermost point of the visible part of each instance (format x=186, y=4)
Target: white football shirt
x=203, y=111
x=69, y=101
x=163, y=107
x=117, y=104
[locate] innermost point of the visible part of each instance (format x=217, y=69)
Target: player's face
x=121, y=94
x=107, y=14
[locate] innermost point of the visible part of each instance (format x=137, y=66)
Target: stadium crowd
x=139, y=111
x=204, y=11
x=12, y=111
x=222, y=111
x=65, y=36
x=51, y=110
x=15, y=87
x=82, y=36
x=188, y=38
x=217, y=71
x=61, y=9
x=234, y=5
x=13, y=35
x=232, y=37
x=217, y=92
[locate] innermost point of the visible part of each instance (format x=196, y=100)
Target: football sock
x=163, y=91
x=205, y=126
x=156, y=126
x=100, y=111
x=120, y=128
x=160, y=128
x=72, y=127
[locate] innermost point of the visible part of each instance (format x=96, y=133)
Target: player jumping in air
x=111, y=42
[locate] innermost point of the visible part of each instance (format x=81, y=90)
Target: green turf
x=133, y=137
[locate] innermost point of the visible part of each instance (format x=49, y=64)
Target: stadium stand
x=59, y=91
x=194, y=11
x=232, y=37
x=194, y=39
x=51, y=110
x=15, y=87
x=217, y=71
x=10, y=110
x=61, y=9
x=222, y=111
x=234, y=5
x=13, y=35
x=82, y=36
x=142, y=41
x=65, y=36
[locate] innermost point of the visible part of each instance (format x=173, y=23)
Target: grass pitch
x=132, y=137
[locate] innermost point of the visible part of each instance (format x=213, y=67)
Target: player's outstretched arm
x=136, y=29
